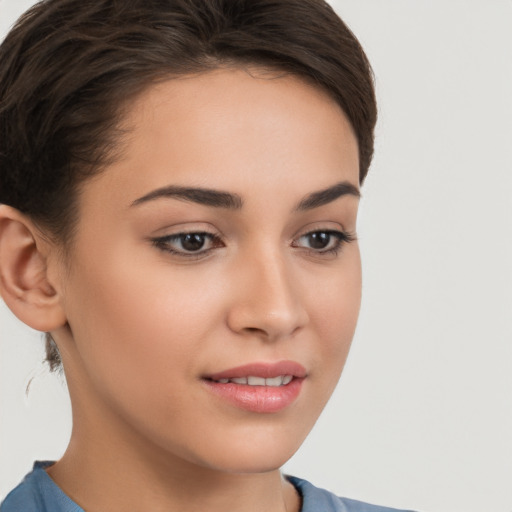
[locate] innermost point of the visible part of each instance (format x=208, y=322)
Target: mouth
x=259, y=387
x=252, y=380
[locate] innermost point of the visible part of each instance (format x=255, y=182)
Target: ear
x=24, y=283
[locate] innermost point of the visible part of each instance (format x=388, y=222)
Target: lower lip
x=262, y=399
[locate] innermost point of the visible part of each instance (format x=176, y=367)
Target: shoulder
x=319, y=500
x=38, y=493
x=26, y=496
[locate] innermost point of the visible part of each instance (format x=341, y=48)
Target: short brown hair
x=68, y=67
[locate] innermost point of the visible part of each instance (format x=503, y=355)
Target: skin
x=140, y=326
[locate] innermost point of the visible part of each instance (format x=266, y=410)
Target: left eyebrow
x=328, y=195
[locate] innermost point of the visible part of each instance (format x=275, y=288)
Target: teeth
x=281, y=380
x=276, y=381
x=239, y=380
x=256, y=381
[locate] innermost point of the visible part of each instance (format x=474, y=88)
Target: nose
x=268, y=303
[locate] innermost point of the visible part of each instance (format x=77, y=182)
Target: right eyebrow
x=204, y=196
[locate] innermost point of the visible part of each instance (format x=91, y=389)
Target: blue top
x=39, y=493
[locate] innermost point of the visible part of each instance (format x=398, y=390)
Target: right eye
x=188, y=244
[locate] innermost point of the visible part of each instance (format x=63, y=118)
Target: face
x=214, y=281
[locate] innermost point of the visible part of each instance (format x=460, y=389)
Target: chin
x=250, y=463
x=260, y=453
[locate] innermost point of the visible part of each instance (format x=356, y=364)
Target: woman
x=179, y=189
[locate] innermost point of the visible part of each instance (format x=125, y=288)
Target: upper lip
x=262, y=369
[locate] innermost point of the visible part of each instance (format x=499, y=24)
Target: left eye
x=188, y=243
x=324, y=241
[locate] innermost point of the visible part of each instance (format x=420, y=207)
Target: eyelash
x=341, y=238
x=164, y=243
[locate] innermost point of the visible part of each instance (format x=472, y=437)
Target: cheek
x=147, y=317
x=334, y=314
x=138, y=334
x=143, y=331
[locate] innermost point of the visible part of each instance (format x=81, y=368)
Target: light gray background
x=423, y=415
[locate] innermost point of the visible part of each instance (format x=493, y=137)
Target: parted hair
x=69, y=68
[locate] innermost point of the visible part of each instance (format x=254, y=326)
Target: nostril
x=253, y=329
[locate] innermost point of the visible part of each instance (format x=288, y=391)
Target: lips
x=259, y=387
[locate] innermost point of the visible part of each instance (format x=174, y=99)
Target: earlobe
x=24, y=283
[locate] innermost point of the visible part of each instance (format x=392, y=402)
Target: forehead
x=229, y=128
